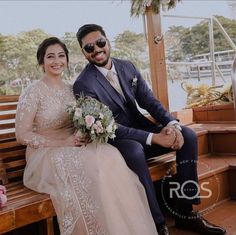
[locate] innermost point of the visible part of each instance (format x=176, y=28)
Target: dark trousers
x=136, y=155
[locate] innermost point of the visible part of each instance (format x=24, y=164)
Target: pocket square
x=134, y=81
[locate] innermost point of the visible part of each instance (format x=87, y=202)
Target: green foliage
x=18, y=52
x=230, y=27
x=77, y=60
x=138, y=7
x=131, y=46
x=191, y=41
x=17, y=55
x=6, y=90
x=173, y=41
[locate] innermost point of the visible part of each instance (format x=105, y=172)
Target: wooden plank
x=8, y=98
x=8, y=223
x=7, y=107
x=16, y=190
x=7, y=116
x=14, y=164
x=11, y=175
x=21, y=195
x=7, y=125
x=224, y=215
x=26, y=211
x=11, y=144
x=34, y=212
x=28, y=197
x=10, y=134
x=11, y=154
x=223, y=143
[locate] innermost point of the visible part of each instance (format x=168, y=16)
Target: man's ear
x=109, y=44
x=83, y=52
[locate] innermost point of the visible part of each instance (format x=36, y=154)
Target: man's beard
x=101, y=64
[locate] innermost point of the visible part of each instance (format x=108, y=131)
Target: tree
x=230, y=27
x=183, y=43
x=131, y=46
x=18, y=55
x=173, y=43
x=76, y=58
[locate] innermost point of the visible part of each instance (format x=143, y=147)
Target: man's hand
x=179, y=140
x=169, y=137
x=165, y=138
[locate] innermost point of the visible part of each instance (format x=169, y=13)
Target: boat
x=200, y=66
x=216, y=130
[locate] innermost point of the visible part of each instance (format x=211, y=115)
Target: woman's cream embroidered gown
x=92, y=189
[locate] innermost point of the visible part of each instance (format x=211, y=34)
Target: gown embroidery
x=92, y=189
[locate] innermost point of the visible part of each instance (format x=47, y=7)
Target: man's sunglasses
x=89, y=48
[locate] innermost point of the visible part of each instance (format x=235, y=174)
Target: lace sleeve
x=25, y=115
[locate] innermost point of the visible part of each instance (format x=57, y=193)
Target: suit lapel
x=109, y=89
x=123, y=81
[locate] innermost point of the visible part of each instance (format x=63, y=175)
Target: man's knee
x=189, y=135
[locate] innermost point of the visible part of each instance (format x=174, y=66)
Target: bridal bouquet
x=3, y=197
x=93, y=119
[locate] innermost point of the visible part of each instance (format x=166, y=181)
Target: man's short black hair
x=86, y=29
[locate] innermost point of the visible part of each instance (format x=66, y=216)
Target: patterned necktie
x=114, y=81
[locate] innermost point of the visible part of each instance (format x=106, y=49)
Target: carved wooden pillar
x=157, y=56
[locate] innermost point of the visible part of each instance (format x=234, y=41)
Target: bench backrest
x=12, y=154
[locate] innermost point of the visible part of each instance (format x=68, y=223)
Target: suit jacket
x=132, y=124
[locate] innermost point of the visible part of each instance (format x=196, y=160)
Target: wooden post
x=157, y=57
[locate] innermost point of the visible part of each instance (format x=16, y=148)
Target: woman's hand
x=74, y=140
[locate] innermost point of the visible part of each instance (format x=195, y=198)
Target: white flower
x=112, y=136
x=134, y=81
x=101, y=115
x=109, y=128
x=78, y=112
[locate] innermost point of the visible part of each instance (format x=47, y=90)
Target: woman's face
x=55, y=60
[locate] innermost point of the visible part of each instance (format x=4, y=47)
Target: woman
x=91, y=187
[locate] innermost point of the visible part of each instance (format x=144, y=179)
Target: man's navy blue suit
x=134, y=128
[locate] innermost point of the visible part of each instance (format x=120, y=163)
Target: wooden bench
x=25, y=206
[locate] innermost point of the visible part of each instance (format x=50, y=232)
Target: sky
x=58, y=17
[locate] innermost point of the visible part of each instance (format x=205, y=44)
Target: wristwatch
x=177, y=126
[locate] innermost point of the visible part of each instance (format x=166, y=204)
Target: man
x=119, y=85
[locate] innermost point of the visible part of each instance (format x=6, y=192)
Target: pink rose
x=3, y=197
x=98, y=127
x=2, y=189
x=89, y=120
